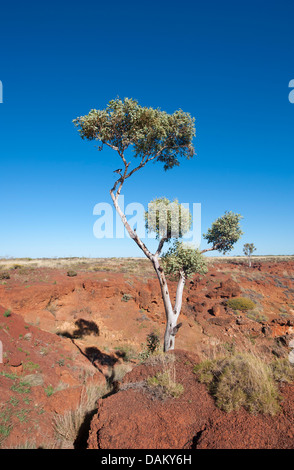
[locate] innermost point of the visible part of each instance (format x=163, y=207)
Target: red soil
x=99, y=313
x=133, y=419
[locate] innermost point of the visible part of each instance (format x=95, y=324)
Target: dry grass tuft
x=67, y=426
x=243, y=379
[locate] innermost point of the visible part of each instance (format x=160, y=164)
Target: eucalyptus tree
x=248, y=250
x=152, y=135
x=224, y=233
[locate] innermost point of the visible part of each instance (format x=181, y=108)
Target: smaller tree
x=248, y=249
x=171, y=221
x=180, y=262
x=224, y=233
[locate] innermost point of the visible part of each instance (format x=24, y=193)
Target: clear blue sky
x=227, y=63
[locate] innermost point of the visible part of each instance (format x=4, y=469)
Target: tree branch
x=208, y=249
x=129, y=229
x=160, y=246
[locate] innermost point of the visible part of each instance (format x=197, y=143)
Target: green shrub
x=153, y=342
x=4, y=275
x=71, y=273
x=241, y=303
x=241, y=380
x=49, y=390
x=255, y=315
x=17, y=266
x=167, y=386
x=21, y=387
x=283, y=370
x=7, y=313
x=126, y=297
x=126, y=352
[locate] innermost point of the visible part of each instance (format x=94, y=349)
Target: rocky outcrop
x=134, y=418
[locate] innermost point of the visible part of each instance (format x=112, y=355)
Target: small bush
x=21, y=387
x=126, y=297
x=166, y=385
x=255, y=315
x=126, y=352
x=49, y=390
x=153, y=342
x=4, y=275
x=152, y=346
x=17, y=266
x=241, y=303
x=283, y=370
x=241, y=380
x=7, y=313
x=71, y=273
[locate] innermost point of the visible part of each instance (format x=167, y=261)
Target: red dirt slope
x=134, y=419
x=41, y=375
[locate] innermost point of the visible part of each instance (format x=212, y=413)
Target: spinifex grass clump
x=283, y=370
x=242, y=380
x=165, y=385
x=241, y=303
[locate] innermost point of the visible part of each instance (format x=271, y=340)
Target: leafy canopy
x=151, y=133
x=224, y=232
x=167, y=219
x=183, y=258
x=248, y=249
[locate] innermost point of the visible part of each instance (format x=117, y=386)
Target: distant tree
x=224, y=233
x=248, y=249
x=153, y=135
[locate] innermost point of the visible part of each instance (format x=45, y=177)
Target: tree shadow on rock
x=84, y=327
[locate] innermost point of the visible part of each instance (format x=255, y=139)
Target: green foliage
x=71, y=273
x=242, y=380
x=49, y=390
x=153, y=342
x=126, y=352
x=30, y=366
x=166, y=384
x=4, y=431
x=7, y=313
x=167, y=219
x=248, y=249
x=126, y=297
x=21, y=387
x=255, y=315
x=183, y=258
x=148, y=132
x=283, y=370
x=4, y=275
x=152, y=346
x=241, y=303
x=224, y=232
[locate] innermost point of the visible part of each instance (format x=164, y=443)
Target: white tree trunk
x=172, y=314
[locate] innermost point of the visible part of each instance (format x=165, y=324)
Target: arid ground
x=76, y=365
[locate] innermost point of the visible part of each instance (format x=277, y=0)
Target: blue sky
x=227, y=63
